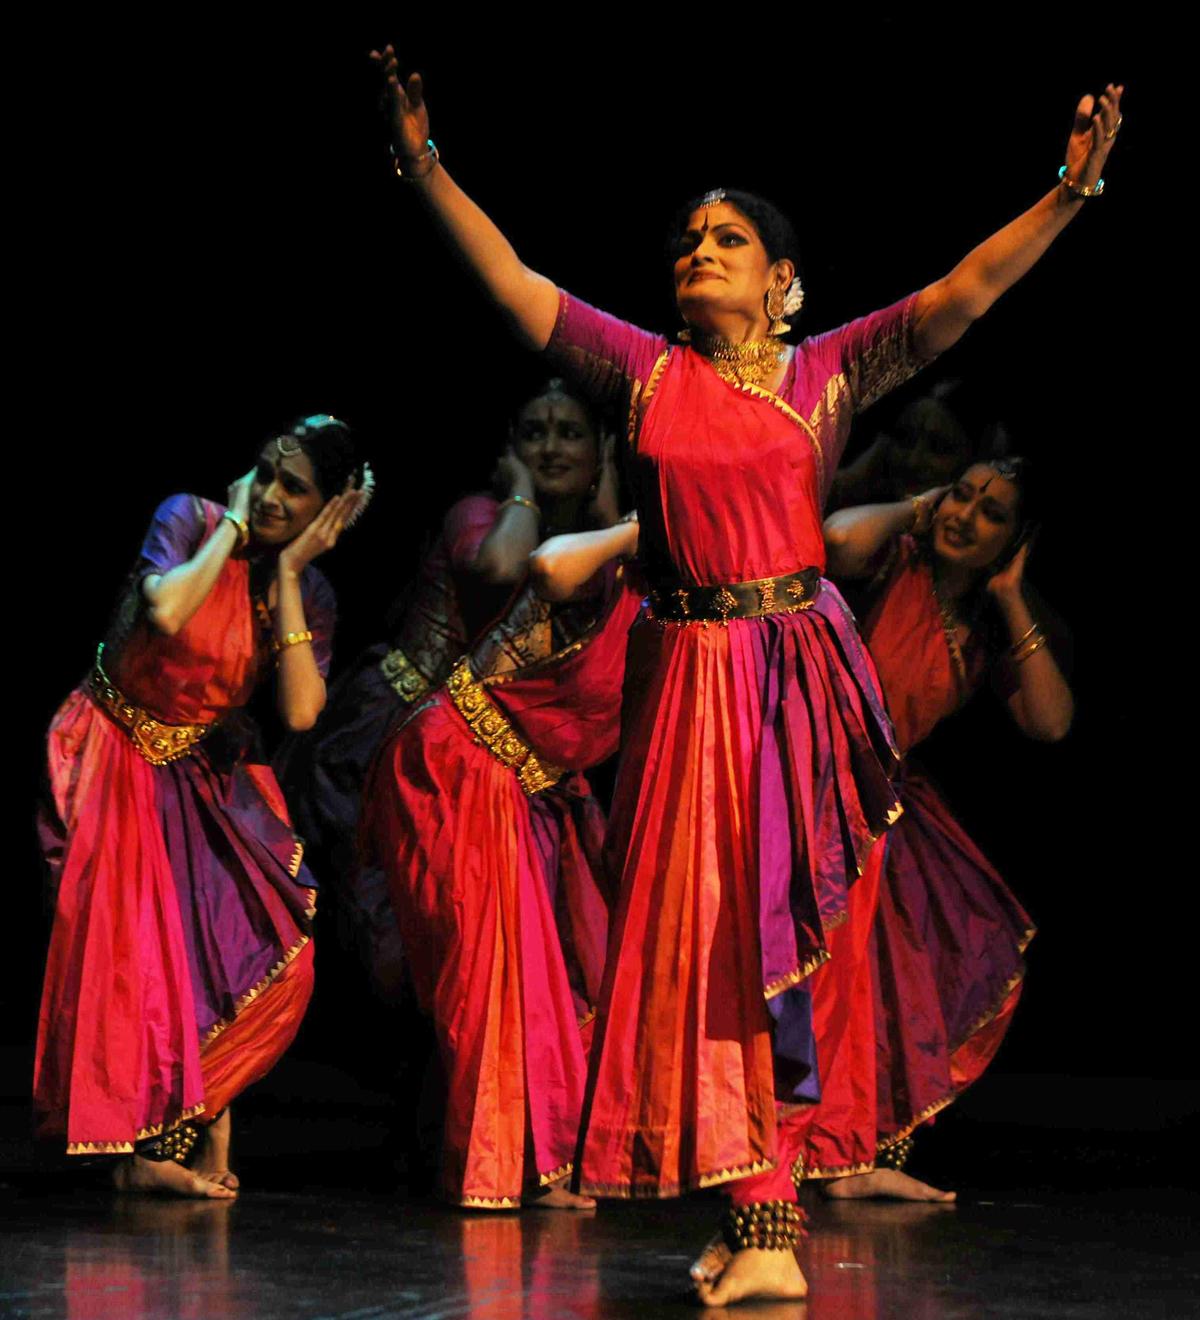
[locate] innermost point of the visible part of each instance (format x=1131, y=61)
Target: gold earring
x=776, y=303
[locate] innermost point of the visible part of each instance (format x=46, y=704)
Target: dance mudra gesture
x=756, y=753
x=180, y=961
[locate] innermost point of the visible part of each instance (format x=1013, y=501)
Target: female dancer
x=490, y=840
x=180, y=961
x=754, y=769
x=945, y=945
x=463, y=583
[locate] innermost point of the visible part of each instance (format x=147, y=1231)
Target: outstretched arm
x=854, y=537
x=1042, y=704
x=561, y=565
x=946, y=308
x=529, y=300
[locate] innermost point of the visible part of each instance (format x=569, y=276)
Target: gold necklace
x=749, y=363
x=950, y=626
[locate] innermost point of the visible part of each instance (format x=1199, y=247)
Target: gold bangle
x=292, y=639
x=522, y=503
x=1035, y=645
x=243, y=527
x=1016, y=646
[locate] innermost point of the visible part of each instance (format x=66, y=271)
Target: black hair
x=776, y=231
x=331, y=449
x=1026, y=477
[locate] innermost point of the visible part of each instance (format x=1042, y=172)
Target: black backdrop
x=217, y=243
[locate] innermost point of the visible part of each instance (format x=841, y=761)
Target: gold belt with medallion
x=491, y=729
x=737, y=600
x=405, y=679
x=157, y=742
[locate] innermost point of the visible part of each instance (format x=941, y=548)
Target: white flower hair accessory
x=365, y=490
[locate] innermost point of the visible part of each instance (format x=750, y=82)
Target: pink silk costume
x=496, y=882
x=755, y=755
x=948, y=937
x=180, y=961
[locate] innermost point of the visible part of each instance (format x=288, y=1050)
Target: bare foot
x=560, y=1197
x=213, y=1160
x=138, y=1175
x=883, y=1184
x=709, y=1264
x=755, y=1272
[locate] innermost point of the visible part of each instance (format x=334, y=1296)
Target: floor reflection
x=150, y=1257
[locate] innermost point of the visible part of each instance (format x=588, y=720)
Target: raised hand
x=239, y=496
x=320, y=535
x=1092, y=136
x=512, y=477
x=404, y=104
x=1006, y=584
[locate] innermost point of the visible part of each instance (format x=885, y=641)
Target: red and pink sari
x=755, y=759
x=490, y=839
x=180, y=961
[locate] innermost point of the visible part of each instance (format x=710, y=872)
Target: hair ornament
x=288, y=446
x=794, y=298
x=714, y=198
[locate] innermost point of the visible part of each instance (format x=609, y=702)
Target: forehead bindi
x=987, y=481
x=721, y=216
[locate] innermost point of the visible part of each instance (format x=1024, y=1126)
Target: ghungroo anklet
x=769, y=1225
x=175, y=1145
x=894, y=1156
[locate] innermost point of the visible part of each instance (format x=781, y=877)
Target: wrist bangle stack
x=242, y=526
x=415, y=167
x=292, y=639
x=521, y=502
x=1080, y=190
x=1033, y=640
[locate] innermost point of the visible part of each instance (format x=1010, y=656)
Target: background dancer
x=180, y=962
x=490, y=839
x=942, y=956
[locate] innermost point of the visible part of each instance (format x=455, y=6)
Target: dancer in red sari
x=180, y=961
x=490, y=839
x=755, y=757
x=465, y=582
x=937, y=964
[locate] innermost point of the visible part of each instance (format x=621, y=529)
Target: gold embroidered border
x=938, y=1105
x=252, y=994
x=491, y=1202
x=797, y=974
x=666, y=1191
x=555, y=1175
x=494, y=732
x=294, y=865
x=847, y=1172
x=587, y=1017
x=572, y=648
x=402, y=676
x=143, y=1134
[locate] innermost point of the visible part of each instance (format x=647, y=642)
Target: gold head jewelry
x=741, y=364
x=288, y=446
x=713, y=198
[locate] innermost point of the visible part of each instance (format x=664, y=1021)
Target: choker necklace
x=741, y=364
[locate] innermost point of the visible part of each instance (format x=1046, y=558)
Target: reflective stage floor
x=1054, y=1220
x=296, y=1254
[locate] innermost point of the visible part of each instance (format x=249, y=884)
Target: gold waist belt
x=737, y=600
x=405, y=678
x=492, y=730
x=159, y=743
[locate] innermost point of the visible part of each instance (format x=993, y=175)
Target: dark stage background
x=219, y=245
